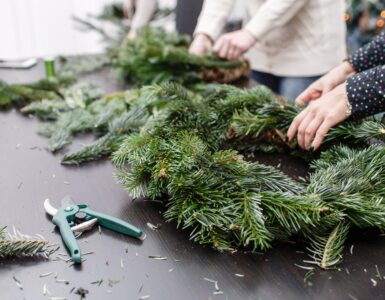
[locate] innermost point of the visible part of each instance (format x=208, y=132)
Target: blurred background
x=37, y=28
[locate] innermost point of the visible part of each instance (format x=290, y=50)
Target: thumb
x=313, y=92
x=304, y=97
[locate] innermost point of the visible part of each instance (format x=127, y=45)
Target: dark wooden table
x=29, y=174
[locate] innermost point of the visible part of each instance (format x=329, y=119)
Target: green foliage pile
x=183, y=158
x=185, y=148
x=156, y=56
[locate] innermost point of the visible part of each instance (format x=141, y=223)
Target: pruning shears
x=72, y=218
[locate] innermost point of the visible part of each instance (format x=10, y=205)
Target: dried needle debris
x=216, y=286
x=45, y=274
x=374, y=282
x=18, y=283
x=46, y=291
x=154, y=227
x=378, y=274
x=157, y=257
x=98, y=282
x=62, y=281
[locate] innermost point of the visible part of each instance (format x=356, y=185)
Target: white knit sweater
x=294, y=37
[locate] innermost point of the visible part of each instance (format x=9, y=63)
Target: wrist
x=345, y=98
x=204, y=37
x=347, y=68
x=250, y=34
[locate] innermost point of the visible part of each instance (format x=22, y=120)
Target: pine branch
x=69, y=123
x=253, y=230
x=352, y=181
x=326, y=251
x=128, y=122
x=78, y=65
x=100, y=149
x=293, y=212
x=18, y=245
x=19, y=95
x=47, y=110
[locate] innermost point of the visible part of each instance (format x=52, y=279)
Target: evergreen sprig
x=19, y=245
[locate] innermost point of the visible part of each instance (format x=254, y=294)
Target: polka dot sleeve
x=369, y=56
x=366, y=92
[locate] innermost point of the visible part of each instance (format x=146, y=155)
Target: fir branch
x=70, y=68
x=69, y=124
x=253, y=230
x=352, y=181
x=102, y=148
x=18, y=245
x=19, y=95
x=47, y=110
x=326, y=251
x=292, y=212
x=118, y=129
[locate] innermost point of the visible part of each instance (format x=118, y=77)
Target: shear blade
x=49, y=208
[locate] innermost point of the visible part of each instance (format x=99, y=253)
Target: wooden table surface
x=29, y=174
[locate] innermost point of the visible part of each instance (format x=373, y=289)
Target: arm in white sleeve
x=145, y=9
x=213, y=17
x=273, y=14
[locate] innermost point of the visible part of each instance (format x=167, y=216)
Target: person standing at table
x=144, y=11
x=290, y=43
x=186, y=14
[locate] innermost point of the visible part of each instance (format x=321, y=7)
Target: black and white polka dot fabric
x=366, y=89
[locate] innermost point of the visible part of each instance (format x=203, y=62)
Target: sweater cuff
x=363, y=95
x=353, y=62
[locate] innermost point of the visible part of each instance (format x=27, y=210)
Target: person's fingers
x=197, y=48
x=303, y=127
x=321, y=132
x=231, y=53
x=295, y=124
x=314, y=91
x=193, y=49
x=218, y=45
x=237, y=53
x=311, y=130
x=224, y=50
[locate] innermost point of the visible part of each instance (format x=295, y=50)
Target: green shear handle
x=113, y=223
x=68, y=237
x=65, y=218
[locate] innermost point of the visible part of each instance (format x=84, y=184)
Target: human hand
x=314, y=122
x=130, y=36
x=325, y=84
x=233, y=44
x=201, y=44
